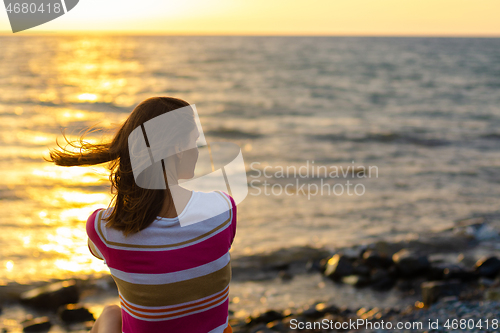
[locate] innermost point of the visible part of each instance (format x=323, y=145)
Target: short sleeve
x=234, y=217
x=96, y=246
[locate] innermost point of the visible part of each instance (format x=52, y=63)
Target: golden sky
x=280, y=17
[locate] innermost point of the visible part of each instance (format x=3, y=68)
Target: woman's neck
x=175, y=205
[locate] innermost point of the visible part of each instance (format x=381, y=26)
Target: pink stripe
x=158, y=262
x=233, y=221
x=199, y=322
x=92, y=233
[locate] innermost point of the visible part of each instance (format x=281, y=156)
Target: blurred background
x=411, y=87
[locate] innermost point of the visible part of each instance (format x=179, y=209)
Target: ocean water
x=421, y=115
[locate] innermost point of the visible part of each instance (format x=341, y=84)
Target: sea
x=346, y=140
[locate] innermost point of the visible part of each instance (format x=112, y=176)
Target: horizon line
x=228, y=34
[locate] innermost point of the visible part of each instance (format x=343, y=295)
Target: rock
x=373, y=259
x=488, y=267
x=433, y=290
x=410, y=263
x=441, y=271
x=281, y=266
x=266, y=317
x=374, y=313
x=80, y=327
x=326, y=308
x=383, y=248
x=463, y=274
x=41, y=324
x=323, y=263
x=285, y=276
x=492, y=294
x=338, y=266
x=75, y=313
x=52, y=296
x=486, y=232
x=381, y=280
x=314, y=266
x=261, y=328
x=485, y=282
x=316, y=310
x=361, y=269
x=276, y=325
x=356, y=280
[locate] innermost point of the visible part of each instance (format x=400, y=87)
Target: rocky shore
x=453, y=275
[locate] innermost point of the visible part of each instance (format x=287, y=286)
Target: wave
x=92, y=106
x=385, y=137
x=492, y=136
x=231, y=133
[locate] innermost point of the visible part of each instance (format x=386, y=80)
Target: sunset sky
x=279, y=17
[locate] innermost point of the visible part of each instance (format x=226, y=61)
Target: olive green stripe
x=177, y=292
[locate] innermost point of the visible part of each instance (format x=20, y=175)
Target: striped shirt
x=172, y=278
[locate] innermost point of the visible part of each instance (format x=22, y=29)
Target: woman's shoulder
x=96, y=219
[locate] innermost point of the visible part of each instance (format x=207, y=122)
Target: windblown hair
x=135, y=208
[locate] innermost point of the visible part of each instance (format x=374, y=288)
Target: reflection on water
x=53, y=239
x=46, y=206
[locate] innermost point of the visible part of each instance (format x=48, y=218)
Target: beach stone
x=299, y=318
x=492, y=294
x=383, y=248
x=410, y=263
x=486, y=232
x=381, y=280
x=485, y=282
x=488, y=267
x=276, y=326
x=261, y=328
x=323, y=263
x=463, y=274
x=356, y=280
x=433, y=290
x=80, y=327
x=338, y=266
x=314, y=266
x=440, y=271
x=285, y=276
x=52, y=296
x=327, y=308
x=361, y=269
x=315, y=311
x=75, y=313
x=266, y=317
x=41, y=324
x=373, y=259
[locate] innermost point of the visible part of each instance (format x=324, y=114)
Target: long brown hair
x=135, y=208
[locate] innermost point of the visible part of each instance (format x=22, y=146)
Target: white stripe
x=210, y=209
x=190, y=273
x=96, y=228
x=175, y=317
x=64, y=6
x=169, y=248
